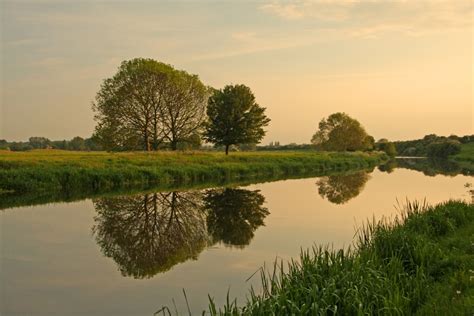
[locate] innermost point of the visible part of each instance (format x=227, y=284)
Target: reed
x=419, y=263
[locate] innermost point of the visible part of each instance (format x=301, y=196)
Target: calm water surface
x=130, y=255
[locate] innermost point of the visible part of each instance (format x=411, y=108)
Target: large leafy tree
x=147, y=103
x=340, y=132
x=234, y=117
x=184, y=108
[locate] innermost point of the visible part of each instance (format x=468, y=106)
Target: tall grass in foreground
x=420, y=263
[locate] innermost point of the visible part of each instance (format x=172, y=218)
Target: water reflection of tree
x=147, y=234
x=389, y=166
x=150, y=233
x=339, y=189
x=234, y=215
x=433, y=167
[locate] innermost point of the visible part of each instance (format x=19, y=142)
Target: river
x=133, y=254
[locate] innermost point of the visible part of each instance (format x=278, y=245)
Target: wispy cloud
x=50, y=62
x=369, y=18
x=324, y=10
x=244, y=43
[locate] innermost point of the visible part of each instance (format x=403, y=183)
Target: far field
x=55, y=171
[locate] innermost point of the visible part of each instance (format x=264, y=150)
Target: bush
x=443, y=149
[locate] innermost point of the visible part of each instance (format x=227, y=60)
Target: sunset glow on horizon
x=404, y=69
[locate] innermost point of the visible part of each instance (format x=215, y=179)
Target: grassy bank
x=466, y=157
x=12, y=200
x=53, y=171
x=419, y=264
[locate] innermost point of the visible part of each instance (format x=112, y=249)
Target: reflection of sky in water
x=51, y=263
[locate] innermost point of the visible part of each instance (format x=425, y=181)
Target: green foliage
x=192, y=142
x=234, y=117
x=39, y=142
x=147, y=103
x=443, y=149
x=340, y=132
x=3, y=144
x=387, y=147
x=77, y=143
x=19, y=146
x=419, y=147
x=465, y=158
x=292, y=147
x=417, y=264
x=92, y=144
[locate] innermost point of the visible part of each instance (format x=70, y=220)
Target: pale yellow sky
x=402, y=68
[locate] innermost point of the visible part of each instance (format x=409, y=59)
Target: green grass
x=466, y=157
x=420, y=263
x=53, y=172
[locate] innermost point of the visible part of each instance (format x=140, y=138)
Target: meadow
x=419, y=263
x=55, y=171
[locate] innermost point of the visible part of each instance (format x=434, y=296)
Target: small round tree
x=387, y=147
x=340, y=132
x=234, y=117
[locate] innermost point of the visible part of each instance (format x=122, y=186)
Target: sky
x=404, y=69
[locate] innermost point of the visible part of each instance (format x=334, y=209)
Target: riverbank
x=466, y=157
x=420, y=263
x=55, y=171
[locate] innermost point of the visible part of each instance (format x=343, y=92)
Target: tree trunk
x=227, y=149
x=174, y=145
x=155, y=135
x=146, y=139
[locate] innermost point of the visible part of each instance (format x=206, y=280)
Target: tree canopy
x=443, y=149
x=419, y=147
x=147, y=104
x=387, y=147
x=234, y=117
x=340, y=132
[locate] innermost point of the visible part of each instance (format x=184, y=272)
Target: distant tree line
x=77, y=143
x=386, y=146
x=432, y=146
x=276, y=146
